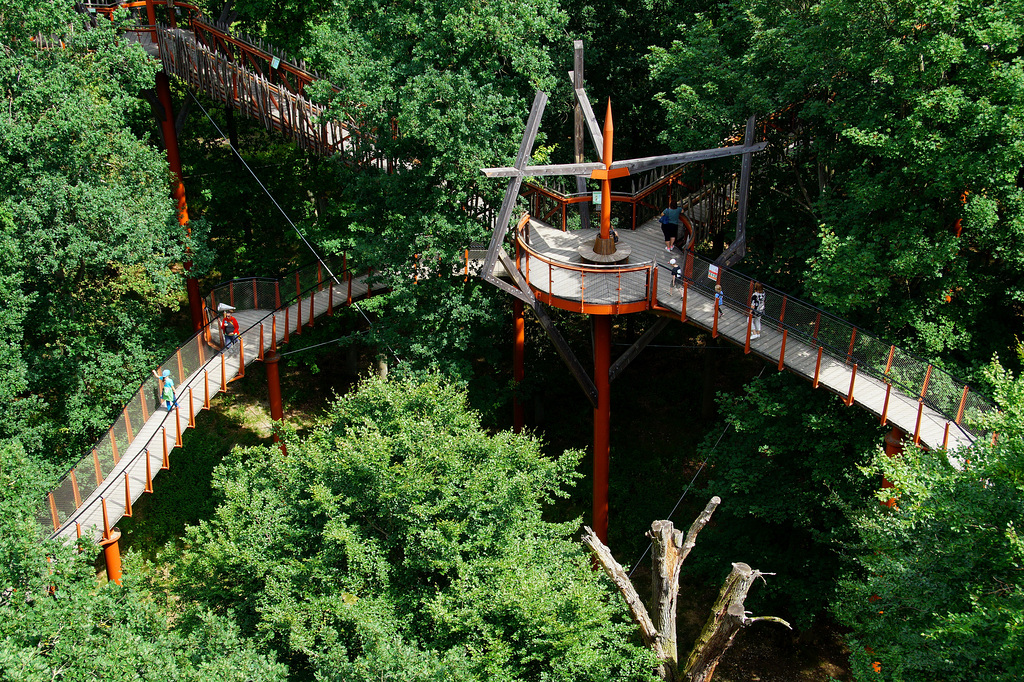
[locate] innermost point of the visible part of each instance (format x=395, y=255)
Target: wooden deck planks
x=801, y=356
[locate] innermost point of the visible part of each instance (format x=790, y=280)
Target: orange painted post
x=191, y=410
x=78, y=530
x=128, y=426
x=817, y=368
x=927, y=377
x=714, y=325
x=298, y=317
x=255, y=296
x=223, y=374
x=782, y=351
x=167, y=462
x=312, y=307
x=273, y=332
x=782, y=313
x=231, y=293
x=199, y=347
x=111, y=553
x=885, y=405
x=259, y=355
x=963, y=401
x=241, y=356
x=888, y=362
x=853, y=377
x=817, y=325
x=466, y=278
x=893, y=447
x=274, y=393
x=127, y=496
x=518, y=367
x=142, y=401
x=330, y=299
x=750, y=321
x=206, y=390
x=96, y=465
x=349, y=299
x=113, y=448
x=75, y=491
x=849, y=353
x=181, y=368
x=177, y=427
x=170, y=135
x=945, y=437
x=53, y=513
x=277, y=294
x=602, y=423
x=149, y=474
x=286, y=324
x=917, y=428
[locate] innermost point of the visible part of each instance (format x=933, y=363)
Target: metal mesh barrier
x=841, y=340
x=191, y=369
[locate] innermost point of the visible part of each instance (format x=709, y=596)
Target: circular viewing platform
x=564, y=272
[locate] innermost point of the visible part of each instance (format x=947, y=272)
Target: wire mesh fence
x=847, y=343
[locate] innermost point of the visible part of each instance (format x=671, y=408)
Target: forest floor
x=657, y=426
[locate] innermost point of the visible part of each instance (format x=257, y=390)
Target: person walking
x=719, y=297
x=229, y=329
x=677, y=274
x=166, y=388
x=757, y=309
x=669, y=220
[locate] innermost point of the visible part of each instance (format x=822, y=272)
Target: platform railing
x=842, y=340
x=299, y=290
x=581, y=286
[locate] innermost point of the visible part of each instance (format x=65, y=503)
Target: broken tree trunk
x=669, y=549
x=727, y=617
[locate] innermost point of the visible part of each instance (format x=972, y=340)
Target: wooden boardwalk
x=151, y=444
x=801, y=358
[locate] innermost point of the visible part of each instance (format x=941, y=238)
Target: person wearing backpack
x=757, y=308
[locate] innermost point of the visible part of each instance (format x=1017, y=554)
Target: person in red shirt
x=229, y=329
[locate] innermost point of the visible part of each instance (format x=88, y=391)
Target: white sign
x=713, y=272
x=276, y=63
x=597, y=197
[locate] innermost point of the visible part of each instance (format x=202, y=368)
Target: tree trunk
x=727, y=617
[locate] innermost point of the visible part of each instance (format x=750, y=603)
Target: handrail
x=847, y=343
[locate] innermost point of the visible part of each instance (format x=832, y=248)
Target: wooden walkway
x=154, y=440
x=834, y=373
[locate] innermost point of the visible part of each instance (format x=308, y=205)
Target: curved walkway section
x=103, y=485
x=923, y=401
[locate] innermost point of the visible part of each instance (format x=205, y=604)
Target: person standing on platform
x=166, y=388
x=757, y=309
x=228, y=326
x=669, y=220
x=677, y=274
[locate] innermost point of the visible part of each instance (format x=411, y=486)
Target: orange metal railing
x=583, y=287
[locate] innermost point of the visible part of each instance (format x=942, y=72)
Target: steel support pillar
x=271, y=360
x=112, y=555
x=602, y=422
x=163, y=93
x=893, y=447
x=518, y=369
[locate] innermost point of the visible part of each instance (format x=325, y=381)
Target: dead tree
x=658, y=627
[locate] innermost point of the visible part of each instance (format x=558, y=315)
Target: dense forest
x=409, y=534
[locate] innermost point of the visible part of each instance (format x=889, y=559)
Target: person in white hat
x=677, y=274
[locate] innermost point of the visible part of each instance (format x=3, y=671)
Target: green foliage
x=940, y=593
x=88, y=230
x=788, y=469
x=399, y=538
x=902, y=108
x=57, y=623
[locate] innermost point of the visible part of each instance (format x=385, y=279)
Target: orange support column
x=893, y=447
x=111, y=552
x=602, y=422
x=271, y=360
x=518, y=369
x=163, y=92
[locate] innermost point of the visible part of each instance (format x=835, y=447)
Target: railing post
x=128, y=425
x=927, y=377
x=53, y=513
x=885, y=405
x=330, y=299
x=113, y=447
x=142, y=401
x=241, y=356
x=191, y=410
x=782, y=351
x=167, y=460
x=817, y=325
x=223, y=374
x=273, y=332
x=177, y=426
x=945, y=437
x=286, y=323
x=853, y=377
x=298, y=317
x=277, y=294
x=75, y=491
x=206, y=389
x=181, y=368
x=349, y=301
x=917, y=427
x=127, y=496
x=960, y=410
x=96, y=466
x=686, y=286
x=849, y=353
x=255, y=296
x=817, y=368
x=782, y=313
x=888, y=362
x=231, y=292
x=750, y=321
x=149, y=474
x=259, y=355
